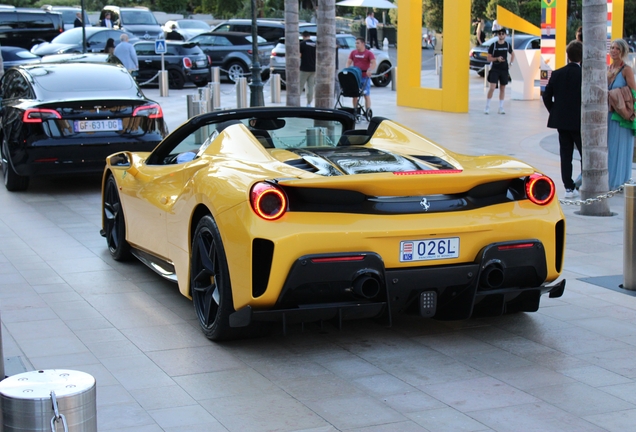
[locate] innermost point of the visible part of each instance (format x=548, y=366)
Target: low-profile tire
x=235, y=70
x=210, y=285
x=211, y=289
x=114, y=222
x=201, y=83
x=12, y=180
x=384, y=79
x=176, y=80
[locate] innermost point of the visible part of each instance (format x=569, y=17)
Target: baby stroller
x=350, y=80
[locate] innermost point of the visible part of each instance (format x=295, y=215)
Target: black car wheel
x=114, y=222
x=12, y=180
x=210, y=282
x=385, y=78
x=236, y=70
x=176, y=80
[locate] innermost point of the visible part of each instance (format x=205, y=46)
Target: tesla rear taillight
x=540, y=189
x=268, y=201
x=150, y=111
x=36, y=115
x=187, y=62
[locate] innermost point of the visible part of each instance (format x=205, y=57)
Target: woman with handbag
x=620, y=139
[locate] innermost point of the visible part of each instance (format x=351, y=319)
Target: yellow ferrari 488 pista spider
x=283, y=214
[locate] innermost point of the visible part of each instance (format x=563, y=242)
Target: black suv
x=184, y=61
x=27, y=27
x=271, y=31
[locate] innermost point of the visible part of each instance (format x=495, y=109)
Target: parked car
x=346, y=43
x=136, y=20
x=184, y=61
x=13, y=56
x=27, y=27
x=269, y=30
x=67, y=117
x=479, y=54
x=69, y=14
x=188, y=28
x=290, y=214
x=71, y=41
x=232, y=52
x=80, y=58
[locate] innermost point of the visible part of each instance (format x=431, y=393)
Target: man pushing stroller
x=363, y=59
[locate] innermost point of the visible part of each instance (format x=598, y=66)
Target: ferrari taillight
x=540, y=189
x=150, y=111
x=187, y=62
x=268, y=201
x=36, y=115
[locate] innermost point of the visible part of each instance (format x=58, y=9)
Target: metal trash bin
x=49, y=400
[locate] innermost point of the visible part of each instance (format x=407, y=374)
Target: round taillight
x=268, y=201
x=540, y=189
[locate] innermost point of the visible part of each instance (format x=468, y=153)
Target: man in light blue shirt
x=126, y=53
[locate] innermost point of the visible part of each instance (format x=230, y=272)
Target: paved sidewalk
x=570, y=366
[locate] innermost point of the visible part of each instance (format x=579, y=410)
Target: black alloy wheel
x=114, y=222
x=210, y=282
x=385, y=76
x=176, y=80
x=12, y=180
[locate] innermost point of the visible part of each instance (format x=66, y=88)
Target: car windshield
x=138, y=17
x=193, y=24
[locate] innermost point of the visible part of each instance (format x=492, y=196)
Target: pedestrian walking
x=126, y=53
x=363, y=59
x=620, y=132
x=562, y=98
x=308, y=66
x=499, y=71
x=372, y=29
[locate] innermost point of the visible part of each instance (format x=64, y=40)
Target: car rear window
x=58, y=81
x=189, y=49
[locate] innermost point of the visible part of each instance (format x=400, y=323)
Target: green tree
x=530, y=10
x=511, y=5
x=172, y=6
x=433, y=14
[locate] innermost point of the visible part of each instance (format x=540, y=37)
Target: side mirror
x=123, y=161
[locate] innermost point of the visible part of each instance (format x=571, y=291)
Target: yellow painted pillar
x=453, y=96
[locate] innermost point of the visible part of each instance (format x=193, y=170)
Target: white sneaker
x=487, y=110
x=571, y=193
x=501, y=111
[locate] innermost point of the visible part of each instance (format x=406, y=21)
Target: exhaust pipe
x=492, y=276
x=366, y=286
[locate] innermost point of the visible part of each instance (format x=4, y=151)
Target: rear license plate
x=430, y=249
x=483, y=55
x=202, y=63
x=97, y=125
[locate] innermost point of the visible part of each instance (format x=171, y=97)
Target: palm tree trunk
x=325, y=53
x=594, y=109
x=292, y=53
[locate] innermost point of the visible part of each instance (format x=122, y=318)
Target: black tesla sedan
x=67, y=117
x=184, y=61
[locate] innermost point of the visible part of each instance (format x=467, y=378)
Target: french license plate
x=430, y=249
x=483, y=55
x=97, y=125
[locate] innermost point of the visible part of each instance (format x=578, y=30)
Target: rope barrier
x=597, y=198
x=149, y=81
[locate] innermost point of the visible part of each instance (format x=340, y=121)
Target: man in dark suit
x=562, y=98
x=78, y=20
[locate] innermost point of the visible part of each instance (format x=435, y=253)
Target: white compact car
x=346, y=43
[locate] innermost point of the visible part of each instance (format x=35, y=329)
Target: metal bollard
x=274, y=87
x=438, y=64
x=205, y=99
x=241, y=92
x=49, y=400
x=629, y=243
x=394, y=78
x=215, y=95
x=163, y=83
x=193, y=107
x=215, y=74
x=316, y=136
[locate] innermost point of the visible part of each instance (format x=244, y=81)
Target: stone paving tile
x=248, y=413
x=447, y=420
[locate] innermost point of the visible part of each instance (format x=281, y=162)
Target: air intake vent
x=302, y=164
